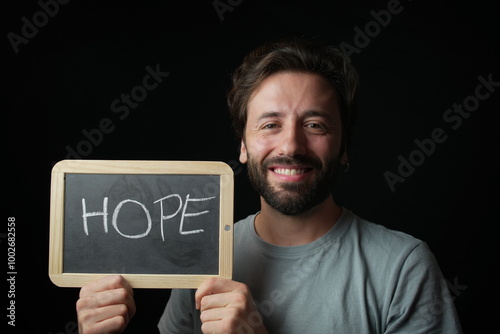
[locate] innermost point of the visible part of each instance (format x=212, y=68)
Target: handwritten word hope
x=182, y=205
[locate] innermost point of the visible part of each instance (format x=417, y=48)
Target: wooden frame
x=57, y=197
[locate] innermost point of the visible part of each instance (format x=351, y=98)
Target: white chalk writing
x=181, y=208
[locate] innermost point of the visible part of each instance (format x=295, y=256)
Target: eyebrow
x=319, y=113
x=269, y=114
x=308, y=113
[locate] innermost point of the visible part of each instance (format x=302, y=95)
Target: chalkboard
x=160, y=224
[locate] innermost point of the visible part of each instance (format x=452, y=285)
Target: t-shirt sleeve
x=422, y=302
x=180, y=315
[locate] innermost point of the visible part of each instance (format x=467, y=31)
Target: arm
x=105, y=306
x=227, y=306
x=421, y=302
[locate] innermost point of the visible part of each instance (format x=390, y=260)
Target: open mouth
x=289, y=171
x=286, y=173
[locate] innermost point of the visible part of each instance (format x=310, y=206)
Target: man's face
x=292, y=140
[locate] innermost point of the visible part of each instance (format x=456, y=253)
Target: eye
x=316, y=127
x=269, y=126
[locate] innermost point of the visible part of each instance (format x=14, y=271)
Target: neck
x=282, y=230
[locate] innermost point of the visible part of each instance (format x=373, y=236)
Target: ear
x=343, y=159
x=243, y=152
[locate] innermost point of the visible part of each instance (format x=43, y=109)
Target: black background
x=426, y=59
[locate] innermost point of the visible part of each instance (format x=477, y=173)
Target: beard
x=294, y=198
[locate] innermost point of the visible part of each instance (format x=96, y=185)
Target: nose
x=292, y=141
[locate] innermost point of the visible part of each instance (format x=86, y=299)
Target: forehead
x=293, y=92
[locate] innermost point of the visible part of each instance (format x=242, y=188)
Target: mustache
x=291, y=161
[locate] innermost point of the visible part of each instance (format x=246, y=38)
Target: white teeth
x=286, y=171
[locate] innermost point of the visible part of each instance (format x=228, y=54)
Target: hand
x=105, y=306
x=227, y=307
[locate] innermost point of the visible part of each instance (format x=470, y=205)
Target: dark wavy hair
x=298, y=55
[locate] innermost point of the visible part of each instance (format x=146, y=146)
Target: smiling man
x=294, y=148
x=292, y=145
x=302, y=264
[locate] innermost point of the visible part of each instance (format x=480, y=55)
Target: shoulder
x=393, y=257
x=244, y=221
x=378, y=244
x=405, y=268
x=379, y=236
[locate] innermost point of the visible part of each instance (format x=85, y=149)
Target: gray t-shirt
x=358, y=278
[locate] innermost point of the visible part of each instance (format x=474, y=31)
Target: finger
x=104, y=313
x=112, y=324
x=112, y=297
x=105, y=298
x=215, y=314
x=226, y=325
x=225, y=299
x=100, y=300
x=216, y=286
x=211, y=315
x=106, y=283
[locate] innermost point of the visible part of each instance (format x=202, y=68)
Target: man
x=302, y=264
